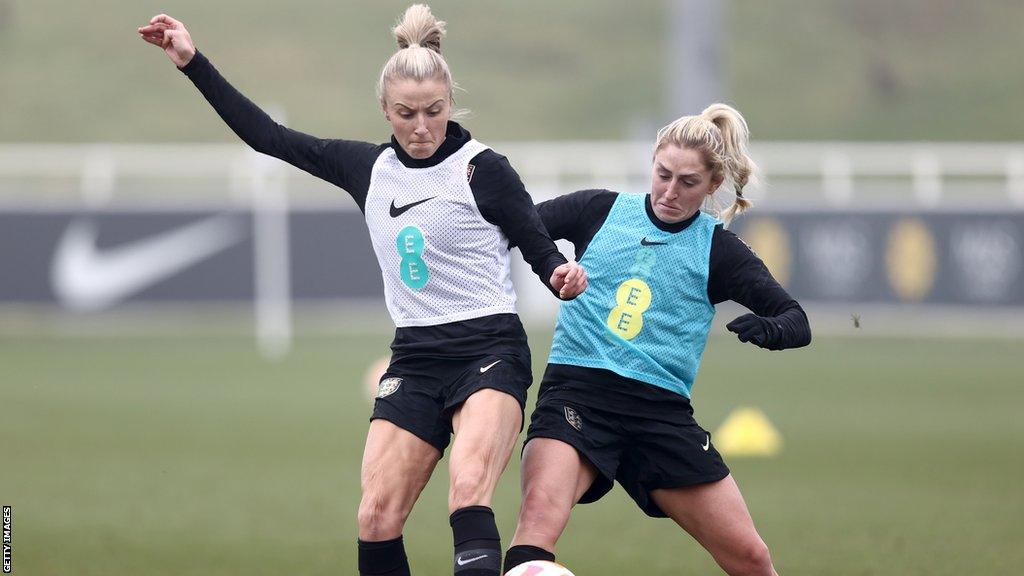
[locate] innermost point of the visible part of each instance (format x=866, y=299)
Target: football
x=539, y=568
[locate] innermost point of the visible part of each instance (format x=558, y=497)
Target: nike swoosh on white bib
x=85, y=278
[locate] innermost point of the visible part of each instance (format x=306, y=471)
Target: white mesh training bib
x=441, y=261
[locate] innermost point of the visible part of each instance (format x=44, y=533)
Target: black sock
x=477, y=544
x=522, y=554
x=385, y=558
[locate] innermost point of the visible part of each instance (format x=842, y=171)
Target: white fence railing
x=113, y=177
x=829, y=173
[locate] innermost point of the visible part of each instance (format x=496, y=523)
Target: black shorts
x=420, y=391
x=641, y=435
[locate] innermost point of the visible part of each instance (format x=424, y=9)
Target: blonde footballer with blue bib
x=614, y=403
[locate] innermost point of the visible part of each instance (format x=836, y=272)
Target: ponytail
x=418, y=57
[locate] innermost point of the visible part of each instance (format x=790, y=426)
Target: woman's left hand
x=757, y=330
x=570, y=279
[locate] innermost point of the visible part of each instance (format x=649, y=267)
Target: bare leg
x=554, y=478
x=717, y=517
x=396, y=466
x=486, y=428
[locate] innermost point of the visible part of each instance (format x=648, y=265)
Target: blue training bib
x=646, y=313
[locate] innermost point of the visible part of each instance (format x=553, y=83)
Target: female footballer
x=614, y=402
x=441, y=209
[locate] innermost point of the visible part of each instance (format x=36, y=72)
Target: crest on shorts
x=388, y=386
x=573, y=418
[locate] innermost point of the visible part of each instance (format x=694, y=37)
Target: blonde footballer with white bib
x=442, y=210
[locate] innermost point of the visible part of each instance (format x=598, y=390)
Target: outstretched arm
x=345, y=163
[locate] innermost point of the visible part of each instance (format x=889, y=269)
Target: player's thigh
x=554, y=477
x=488, y=415
x=715, y=514
x=486, y=428
x=396, y=463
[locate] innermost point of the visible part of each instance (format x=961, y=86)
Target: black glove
x=757, y=330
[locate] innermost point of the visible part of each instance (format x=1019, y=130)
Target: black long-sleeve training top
x=497, y=188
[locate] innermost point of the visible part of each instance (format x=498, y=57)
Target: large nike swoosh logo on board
x=397, y=211
x=86, y=278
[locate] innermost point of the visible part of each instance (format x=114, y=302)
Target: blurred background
x=188, y=330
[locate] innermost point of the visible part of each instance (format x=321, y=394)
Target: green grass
x=532, y=69
x=184, y=456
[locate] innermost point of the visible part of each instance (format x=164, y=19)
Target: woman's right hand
x=569, y=279
x=171, y=35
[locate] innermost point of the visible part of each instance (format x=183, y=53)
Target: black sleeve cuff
x=549, y=268
x=198, y=61
x=790, y=329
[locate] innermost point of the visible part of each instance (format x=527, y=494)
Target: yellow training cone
x=747, y=432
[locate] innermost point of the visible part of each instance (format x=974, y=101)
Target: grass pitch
x=181, y=456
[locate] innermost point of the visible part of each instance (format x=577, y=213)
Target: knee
x=542, y=512
x=379, y=517
x=469, y=488
x=753, y=559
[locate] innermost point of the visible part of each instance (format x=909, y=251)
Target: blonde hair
x=419, y=57
x=721, y=136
